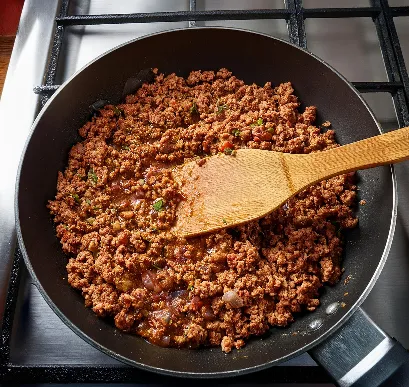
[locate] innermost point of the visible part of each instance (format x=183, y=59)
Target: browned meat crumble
x=116, y=203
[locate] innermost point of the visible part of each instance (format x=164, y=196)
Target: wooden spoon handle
x=384, y=149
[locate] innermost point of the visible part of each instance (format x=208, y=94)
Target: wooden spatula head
x=231, y=189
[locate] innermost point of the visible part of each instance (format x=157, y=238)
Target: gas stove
x=368, y=44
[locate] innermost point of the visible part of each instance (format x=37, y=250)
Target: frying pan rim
x=218, y=374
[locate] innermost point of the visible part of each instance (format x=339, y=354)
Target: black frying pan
x=253, y=58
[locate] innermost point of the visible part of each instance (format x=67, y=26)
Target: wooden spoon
x=228, y=190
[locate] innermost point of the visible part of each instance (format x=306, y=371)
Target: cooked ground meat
x=116, y=203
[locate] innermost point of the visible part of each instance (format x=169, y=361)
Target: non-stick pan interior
x=253, y=58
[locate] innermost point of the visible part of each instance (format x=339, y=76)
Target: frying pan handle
x=361, y=354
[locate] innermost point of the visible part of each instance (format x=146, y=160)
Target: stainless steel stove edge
x=18, y=108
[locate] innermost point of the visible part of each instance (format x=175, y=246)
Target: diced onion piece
x=147, y=281
x=162, y=315
x=233, y=299
x=208, y=314
x=150, y=282
x=164, y=341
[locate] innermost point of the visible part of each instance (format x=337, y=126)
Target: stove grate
x=294, y=14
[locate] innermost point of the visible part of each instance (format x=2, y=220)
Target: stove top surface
x=39, y=340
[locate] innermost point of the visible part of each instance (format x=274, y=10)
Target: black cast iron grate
x=294, y=14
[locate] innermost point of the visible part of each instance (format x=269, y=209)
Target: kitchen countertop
x=6, y=47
